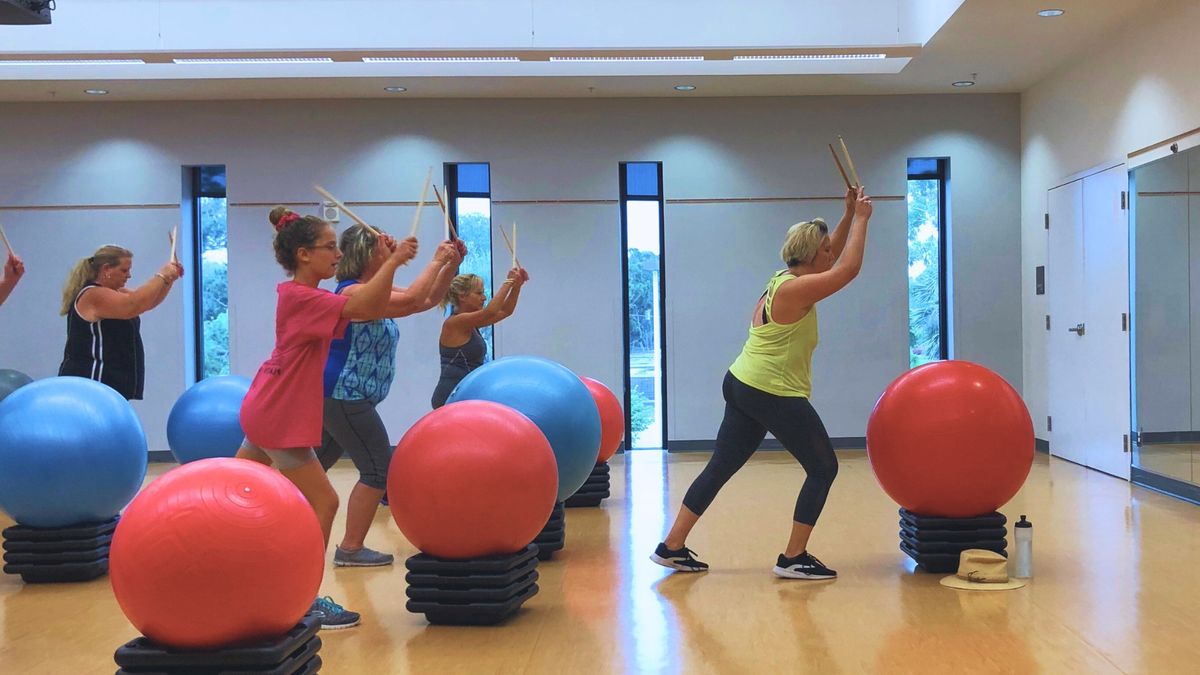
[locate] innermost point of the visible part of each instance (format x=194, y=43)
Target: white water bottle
x=1023, y=560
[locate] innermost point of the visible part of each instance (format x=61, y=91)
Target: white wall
x=1133, y=89
x=128, y=154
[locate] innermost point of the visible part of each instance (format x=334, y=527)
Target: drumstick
x=6, y=244
x=325, y=193
x=512, y=249
x=172, y=236
x=850, y=163
x=421, y=202
x=451, y=230
x=839, y=166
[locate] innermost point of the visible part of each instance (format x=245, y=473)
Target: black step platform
x=593, y=491
x=58, y=554
x=553, y=537
x=479, y=592
x=935, y=543
x=294, y=653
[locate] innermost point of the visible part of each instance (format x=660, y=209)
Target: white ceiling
x=1003, y=41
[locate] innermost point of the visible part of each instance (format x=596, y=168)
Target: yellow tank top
x=778, y=358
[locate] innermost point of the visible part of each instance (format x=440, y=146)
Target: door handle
x=1078, y=329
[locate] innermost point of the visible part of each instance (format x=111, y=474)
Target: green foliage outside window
x=924, y=272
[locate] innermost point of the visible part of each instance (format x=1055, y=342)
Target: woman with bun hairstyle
x=282, y=412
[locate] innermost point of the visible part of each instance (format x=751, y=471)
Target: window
x=645, y=327
x=469, y=200
x=209, y=268
x=928, y=338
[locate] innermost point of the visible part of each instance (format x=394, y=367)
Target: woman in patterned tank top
x=359, y=373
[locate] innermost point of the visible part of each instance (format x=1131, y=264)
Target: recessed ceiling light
x=685, y=87
x=395, y=90
x=96, y=92
x=1052, y=12
x=962, y=83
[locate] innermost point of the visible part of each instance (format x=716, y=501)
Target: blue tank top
x=362, y=364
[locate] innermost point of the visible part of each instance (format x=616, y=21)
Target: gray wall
x=718, y=255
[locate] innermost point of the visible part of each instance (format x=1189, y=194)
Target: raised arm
x=370, y=301
x=497, y=310
x=422, y=294
x=796, y=296
x=838, y=238
x=106, y=303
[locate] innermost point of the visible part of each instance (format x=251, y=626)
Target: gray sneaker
x=363, y=557
x=332, y=615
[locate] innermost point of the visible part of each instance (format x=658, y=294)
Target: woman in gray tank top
x=461, y=345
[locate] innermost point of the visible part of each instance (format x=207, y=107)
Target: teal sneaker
x=363, y=557
x=332, y=615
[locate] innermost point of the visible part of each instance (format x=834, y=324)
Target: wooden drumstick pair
x=850, y=162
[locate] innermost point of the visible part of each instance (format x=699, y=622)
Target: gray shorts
x=355, y=427
x=290, y=458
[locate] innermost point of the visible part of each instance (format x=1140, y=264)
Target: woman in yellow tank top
x=768, y=386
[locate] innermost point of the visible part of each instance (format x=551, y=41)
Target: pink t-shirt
x=283, y=408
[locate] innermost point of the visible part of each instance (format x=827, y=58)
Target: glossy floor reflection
x=1115, y=590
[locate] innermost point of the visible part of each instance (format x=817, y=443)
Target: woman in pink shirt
x=282, y=412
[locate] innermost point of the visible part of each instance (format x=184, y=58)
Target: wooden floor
x=1116, y=589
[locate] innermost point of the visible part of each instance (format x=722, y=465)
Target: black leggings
x=749, y=414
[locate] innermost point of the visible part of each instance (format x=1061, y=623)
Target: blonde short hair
x=802, y=241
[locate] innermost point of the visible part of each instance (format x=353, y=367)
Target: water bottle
x=1023, y=560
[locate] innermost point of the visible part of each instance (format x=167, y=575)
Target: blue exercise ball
x=205, y=420
x=72, y=451
x=12, y=380
x=554, y=398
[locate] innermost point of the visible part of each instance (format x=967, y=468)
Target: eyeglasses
x=331, y=246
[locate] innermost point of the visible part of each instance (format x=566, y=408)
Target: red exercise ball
x=950, y=439
x=472, y=479
x=217, y=552
x=612, y=419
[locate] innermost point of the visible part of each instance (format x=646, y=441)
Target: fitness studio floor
x=1113, y=577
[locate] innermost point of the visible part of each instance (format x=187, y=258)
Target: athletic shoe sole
x=342, y=626
x=347, y=563
x=785, y=573
x=665, y=562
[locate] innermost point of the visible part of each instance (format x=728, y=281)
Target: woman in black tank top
x=104, y=341
x=461, y=345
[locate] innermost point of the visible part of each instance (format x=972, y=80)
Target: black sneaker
x=332, y=615
x=803, y=566
x=683, y=559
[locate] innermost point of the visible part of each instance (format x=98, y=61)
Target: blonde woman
x=359, y=373
x=768, y=386
x=104, y=341
x=461, y=345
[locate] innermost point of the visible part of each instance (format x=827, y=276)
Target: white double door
x=1087, y=288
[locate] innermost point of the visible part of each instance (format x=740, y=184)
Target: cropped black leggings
x=749, y=414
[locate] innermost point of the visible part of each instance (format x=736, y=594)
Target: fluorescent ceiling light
x=1052, y=12
x=439, y=59
x=963, y=83
x=75, y=62
x=95, y=92
x=685, y=87
x=626, y=58
x=254, y=61
x=805, y=57
x=396, y=90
